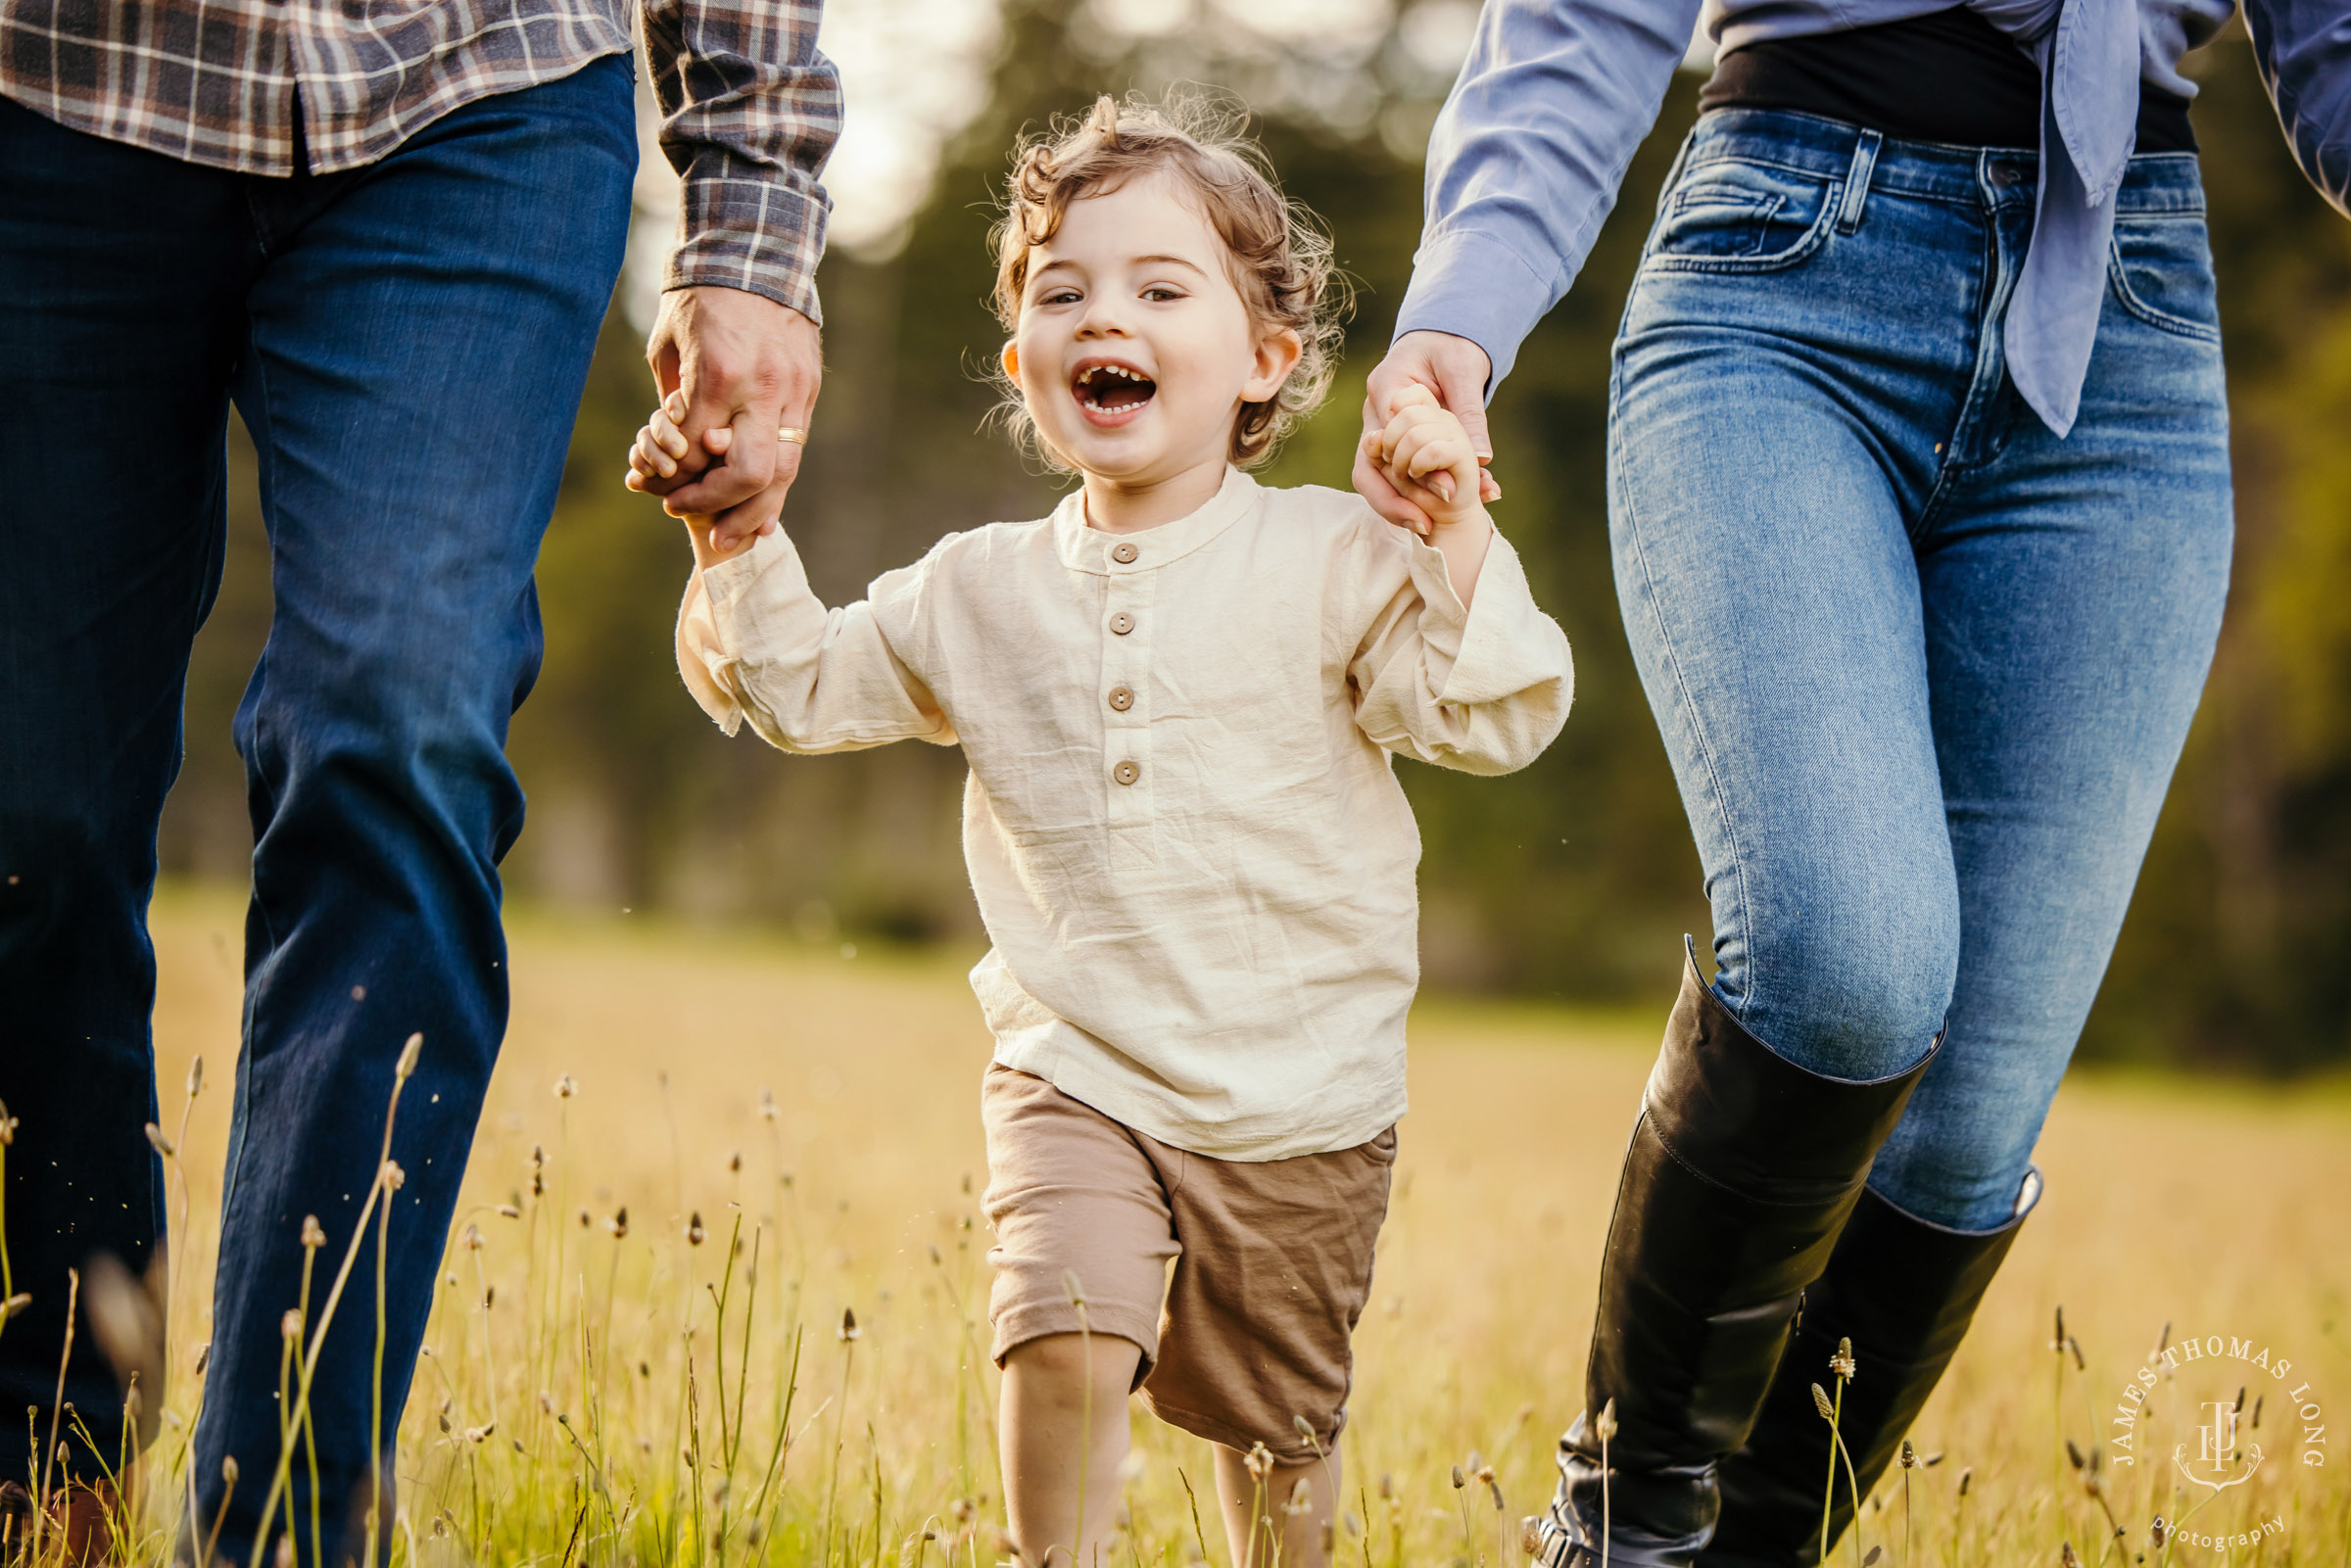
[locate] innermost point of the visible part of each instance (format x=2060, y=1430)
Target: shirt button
x=1124, y=553
x=1121, y=697
x=1122, y=623
x=1125, y=773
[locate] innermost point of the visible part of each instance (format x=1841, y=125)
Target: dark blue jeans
x=1923, y=668
x=406, y=343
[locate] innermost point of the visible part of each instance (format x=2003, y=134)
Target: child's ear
x=1010, y=359
x=1277, y=355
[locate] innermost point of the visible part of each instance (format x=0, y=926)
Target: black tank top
x=1946, y=76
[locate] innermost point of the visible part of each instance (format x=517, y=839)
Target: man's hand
x=1455, y=371
x=745, y=367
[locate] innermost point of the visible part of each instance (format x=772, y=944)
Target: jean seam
x=1705, y=749
x=1974, y=408
x=241, y=1118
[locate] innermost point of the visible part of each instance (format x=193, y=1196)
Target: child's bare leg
x=1053, y=1465
x=1248, y=1502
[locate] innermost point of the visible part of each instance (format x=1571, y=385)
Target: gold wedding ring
x=793, y=434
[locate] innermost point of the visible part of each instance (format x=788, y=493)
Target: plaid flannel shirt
x=749, y=107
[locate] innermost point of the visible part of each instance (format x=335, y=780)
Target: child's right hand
x=657, y=450
x=659, y=444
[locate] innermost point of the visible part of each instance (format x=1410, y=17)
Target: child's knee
x=1070, y=1367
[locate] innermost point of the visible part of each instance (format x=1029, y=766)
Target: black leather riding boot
x=1903, y=1290
x=1743, y=1169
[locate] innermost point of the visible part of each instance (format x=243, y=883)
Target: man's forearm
x=751, y=111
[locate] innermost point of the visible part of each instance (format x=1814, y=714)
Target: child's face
x=1134, y=349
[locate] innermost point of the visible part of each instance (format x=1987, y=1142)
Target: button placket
x=1124, y=692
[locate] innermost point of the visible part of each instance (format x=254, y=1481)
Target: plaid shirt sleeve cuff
x=750, y=226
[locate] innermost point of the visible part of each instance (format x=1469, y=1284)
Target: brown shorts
x=1272, y=1262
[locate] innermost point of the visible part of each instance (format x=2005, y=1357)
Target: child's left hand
x=1428, y=456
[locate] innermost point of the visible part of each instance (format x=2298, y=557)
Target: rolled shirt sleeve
x=749, y=112
x=755, y=644
x=1481, y=689
x=1527, y=155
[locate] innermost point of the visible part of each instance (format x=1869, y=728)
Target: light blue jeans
x=1924, y=669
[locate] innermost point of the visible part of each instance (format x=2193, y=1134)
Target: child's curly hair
x=1280, y=256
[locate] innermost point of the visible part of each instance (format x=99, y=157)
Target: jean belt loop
x=1856, y=181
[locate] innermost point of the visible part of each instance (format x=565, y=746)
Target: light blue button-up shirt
x=1556, y=95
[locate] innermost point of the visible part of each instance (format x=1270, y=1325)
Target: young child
x=1179, y=695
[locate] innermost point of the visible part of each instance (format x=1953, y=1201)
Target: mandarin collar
x=1090, y=549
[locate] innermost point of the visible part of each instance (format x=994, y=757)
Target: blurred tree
x=2241, y=931
x=1574, y=878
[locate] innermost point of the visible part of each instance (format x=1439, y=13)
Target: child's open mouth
x=1111, y=392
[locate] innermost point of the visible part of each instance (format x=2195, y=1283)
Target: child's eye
x=1060, y=296
x=1160, y=294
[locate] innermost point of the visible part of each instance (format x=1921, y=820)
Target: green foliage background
x=1574, y=878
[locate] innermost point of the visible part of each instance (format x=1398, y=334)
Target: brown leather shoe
x=83, y=1517
x=80, y=1519
x=15, y=1521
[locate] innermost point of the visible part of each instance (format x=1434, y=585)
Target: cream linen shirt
x=1182, y=822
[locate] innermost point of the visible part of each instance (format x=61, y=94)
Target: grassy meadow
x=588, y=1398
